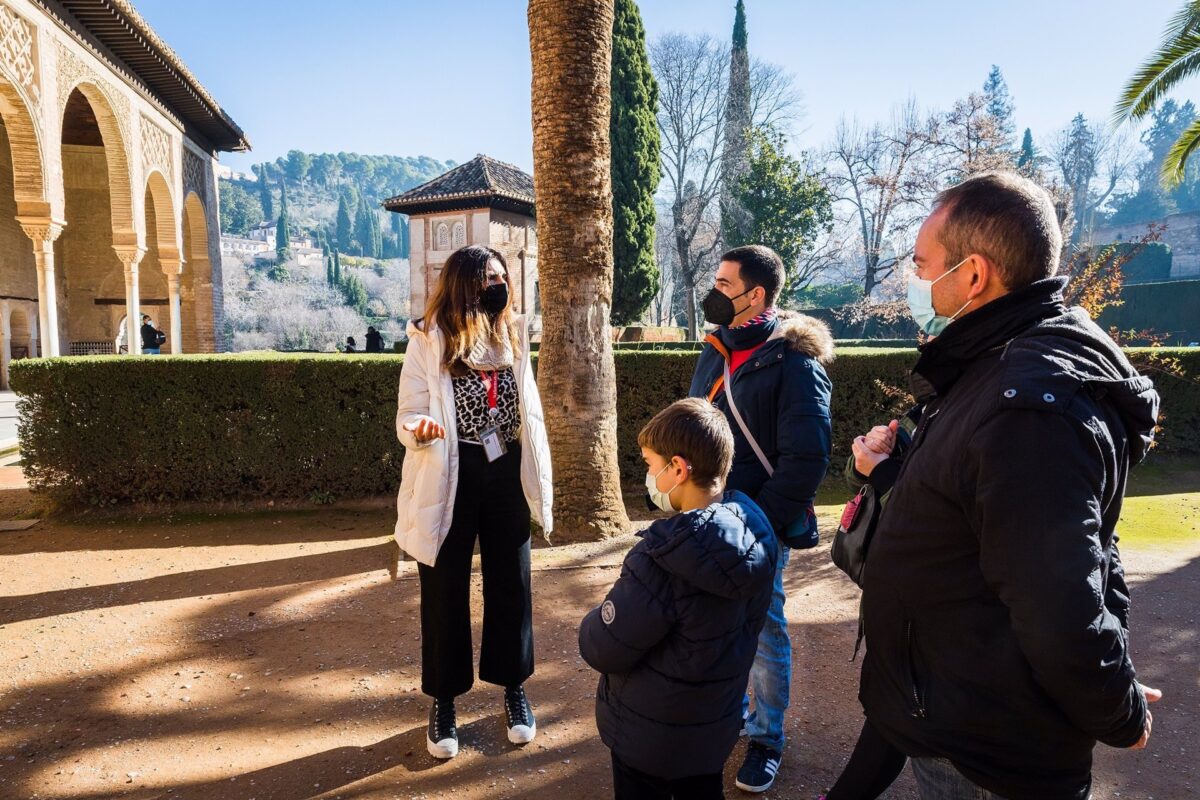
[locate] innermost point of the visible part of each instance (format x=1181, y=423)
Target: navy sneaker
x=759, y=769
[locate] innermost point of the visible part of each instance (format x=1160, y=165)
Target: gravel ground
x=271, y=656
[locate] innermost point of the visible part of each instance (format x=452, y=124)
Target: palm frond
x=1176, y=161
x=1185, y=21
x=1176, y=60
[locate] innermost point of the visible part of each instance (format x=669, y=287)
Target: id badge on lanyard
x=493, y=443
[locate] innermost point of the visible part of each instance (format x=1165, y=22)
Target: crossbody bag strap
x=737, y=415
x=719, y=346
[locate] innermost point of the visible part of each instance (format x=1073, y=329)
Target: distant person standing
x=374, y=341
x=152, y=337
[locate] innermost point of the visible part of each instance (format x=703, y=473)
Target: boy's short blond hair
x=697, y=432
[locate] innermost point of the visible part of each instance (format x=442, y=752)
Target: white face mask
x=920, y=303
x=661, y=499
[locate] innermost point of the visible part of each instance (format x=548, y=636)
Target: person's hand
x=1152, y=696
x=865, y=457
x=425, y=429
x=882, y=438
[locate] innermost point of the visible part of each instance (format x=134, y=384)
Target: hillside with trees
x=295, y=299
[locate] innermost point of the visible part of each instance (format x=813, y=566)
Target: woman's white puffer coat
x=429, y=479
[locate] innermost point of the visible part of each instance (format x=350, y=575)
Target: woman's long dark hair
x=455, y=306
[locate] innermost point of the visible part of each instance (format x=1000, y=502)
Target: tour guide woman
x=476, y=465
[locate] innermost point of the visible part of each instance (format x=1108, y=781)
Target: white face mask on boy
x=659, y=498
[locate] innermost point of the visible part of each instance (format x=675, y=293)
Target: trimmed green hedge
x=1169, y=309
x=891, y=344
x=111, y=428
x=116, y=429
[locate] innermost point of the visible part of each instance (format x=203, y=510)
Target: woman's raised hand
x=425, y=429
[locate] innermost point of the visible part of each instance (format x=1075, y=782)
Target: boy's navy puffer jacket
x=676, y=637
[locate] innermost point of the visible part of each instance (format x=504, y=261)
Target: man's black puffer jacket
x=994, y=605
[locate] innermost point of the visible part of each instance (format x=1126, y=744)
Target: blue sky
x=404, y=77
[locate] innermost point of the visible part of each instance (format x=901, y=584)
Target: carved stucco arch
x=116, y=154
x=166, y=232
x=20, y=101
x=195, y=217
x=25, y=141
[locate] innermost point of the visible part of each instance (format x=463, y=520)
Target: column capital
x=130, y=254
x=41, y=230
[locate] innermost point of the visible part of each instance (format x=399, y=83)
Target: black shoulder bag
x=854, y=533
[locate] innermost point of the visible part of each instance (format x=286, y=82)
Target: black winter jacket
x=676, y=637
x=783, y=394
x=994, y=604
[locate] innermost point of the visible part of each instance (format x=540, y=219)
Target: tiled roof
x=480, y=178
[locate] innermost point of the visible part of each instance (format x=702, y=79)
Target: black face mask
x=719, y=309
x=494, y=298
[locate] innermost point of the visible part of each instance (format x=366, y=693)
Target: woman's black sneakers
x=442, y=739
x=522, y=727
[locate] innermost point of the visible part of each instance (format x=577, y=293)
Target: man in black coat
x=995, y=607
x=780, y=389
x=374, y=341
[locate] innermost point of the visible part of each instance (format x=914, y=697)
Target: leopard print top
x=471, y=406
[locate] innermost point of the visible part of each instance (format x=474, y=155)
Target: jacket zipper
x=918, y=704
x=917, y=437
x=922, y=427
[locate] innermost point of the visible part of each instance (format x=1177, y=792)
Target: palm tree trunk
x=571, y=46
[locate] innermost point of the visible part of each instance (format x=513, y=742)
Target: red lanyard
x=492, y=388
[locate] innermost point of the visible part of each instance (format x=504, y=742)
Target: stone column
x=43, y=232
x=131, y=256
x=176, y=335
x=5, y=344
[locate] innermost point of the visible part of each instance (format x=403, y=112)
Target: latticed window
x=443, y=236
x=460, y=235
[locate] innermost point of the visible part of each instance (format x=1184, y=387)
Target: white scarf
x=490, y=354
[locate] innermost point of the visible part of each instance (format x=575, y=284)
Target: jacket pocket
x=916, y=693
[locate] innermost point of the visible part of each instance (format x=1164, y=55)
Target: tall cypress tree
x=635, y=166
x=337, y=269
x=400, y=229
x=376, y=234
x=283, y=241
x=363, y=231
x=264, y=193
x=345, y=227
x=735, y=160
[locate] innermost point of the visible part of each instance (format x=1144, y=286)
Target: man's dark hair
x=759, y=266
x=1007, y=218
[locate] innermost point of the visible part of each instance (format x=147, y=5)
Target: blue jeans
x=151, y=351
x=938, y=779
x=771, y=675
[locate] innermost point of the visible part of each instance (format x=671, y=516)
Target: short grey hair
x=1007, y=218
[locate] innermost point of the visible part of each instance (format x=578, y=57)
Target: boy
x=675, y=638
